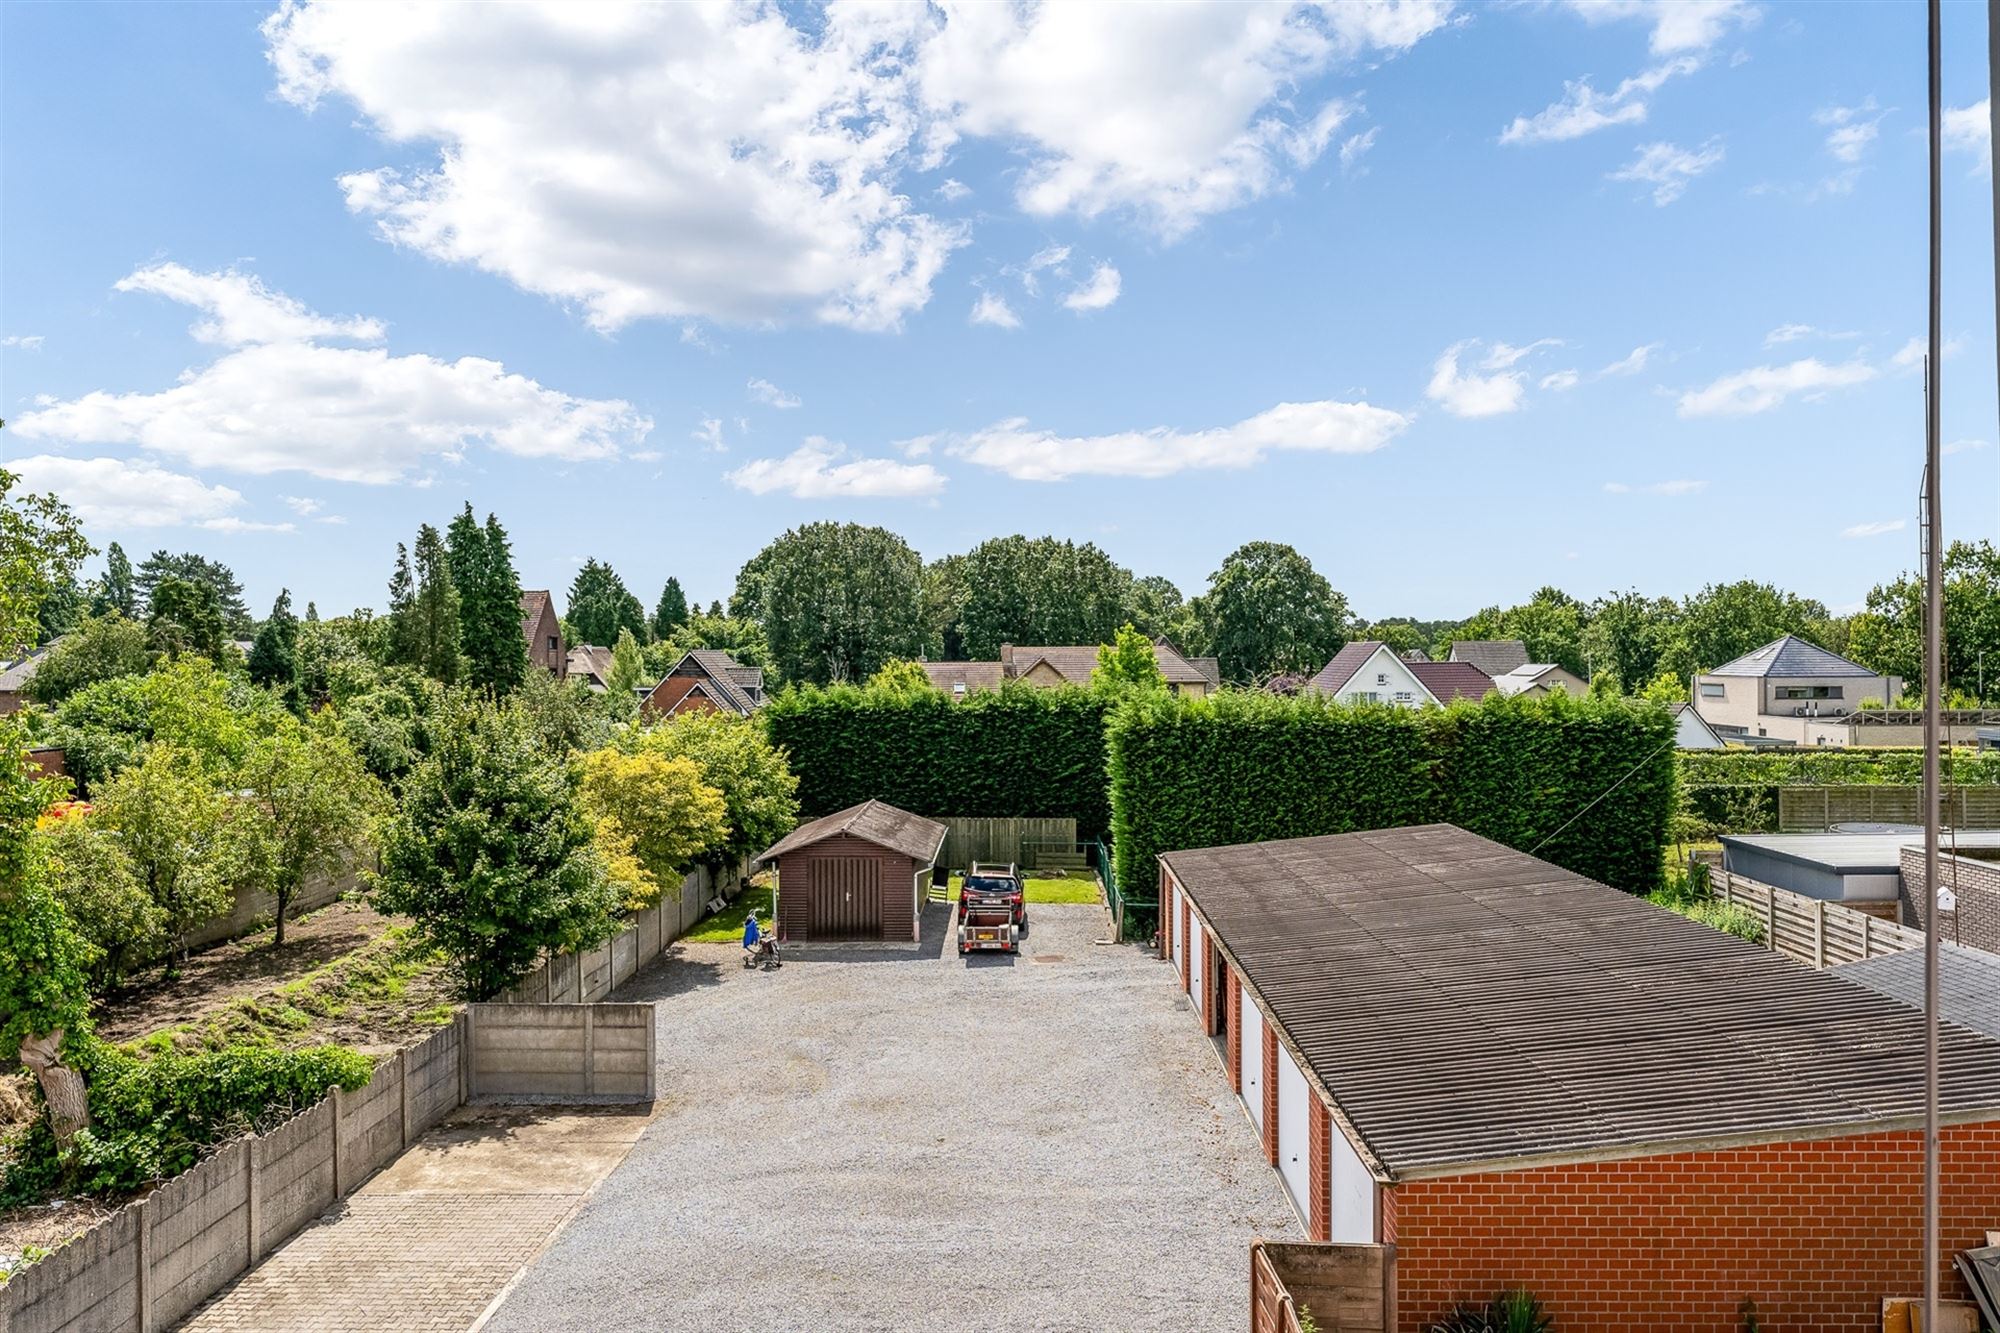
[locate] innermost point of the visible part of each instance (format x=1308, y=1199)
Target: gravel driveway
x=908, y=1141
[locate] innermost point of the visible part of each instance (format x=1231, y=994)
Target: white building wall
x=1294, y=1135
x=1250, y=1036
x=1389, y=679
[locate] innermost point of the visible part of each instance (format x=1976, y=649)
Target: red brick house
x=1517, y=1076
x=542, y=629
x=706, y=680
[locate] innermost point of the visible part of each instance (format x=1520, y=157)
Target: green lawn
x=1076, y=889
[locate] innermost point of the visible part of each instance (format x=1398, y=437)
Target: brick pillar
x=1163, y=926
x=1235, y=1033
x=1211, y=1012
x=1319, y=1160
x=1270, y=1093
x=1187, y=940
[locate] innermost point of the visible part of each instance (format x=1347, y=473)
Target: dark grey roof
x=1791, y=656
x=1496, y=657
x=1467, y=1005
x=15, y=675
x=1968, y=983
x=727, y=674
x=872, y=821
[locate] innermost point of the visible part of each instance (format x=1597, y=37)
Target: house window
x=1366, y=697
x=1404, y=697
x=1381, y=678
x=1711, y=689
x=1810, y=692
x=552, y=643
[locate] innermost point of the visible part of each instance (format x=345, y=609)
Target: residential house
x=1789, y=691
x=706, y=680
x=1369, y=671
x=1496, y=657
x=1068, y=664
x=1691, y=732
x=14, y=678
x=589, y=663
x=1538, y=678
x=542, y=629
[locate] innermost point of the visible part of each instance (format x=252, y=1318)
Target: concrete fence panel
x=570, y=1052
x=433, y=1078
x=294, y=1169
x=371, y=1124
x=199, y=1234
x=89, y=1284
x=624, y=957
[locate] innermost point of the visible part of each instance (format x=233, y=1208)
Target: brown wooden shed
x=859, y=874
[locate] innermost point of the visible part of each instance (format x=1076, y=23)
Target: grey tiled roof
x=15, y=675
x=1791, y=656
x=589, y=659
x=872, y=821
x=1496, y=657
x=1968, y=983
x=727, y=675
x=1465, y=1004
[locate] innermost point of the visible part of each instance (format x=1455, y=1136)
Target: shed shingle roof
x=1791, y=656
x=1468, y=1006
x=1496, y=657
x=1968, y=983
x=884, y=825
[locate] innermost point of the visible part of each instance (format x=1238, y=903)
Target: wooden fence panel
x=1814, y=930
x=1811, y=809
x=969, y=840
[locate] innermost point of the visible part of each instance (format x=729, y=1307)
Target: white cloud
x=813, y=472
x=1969, y=129
x=1049, y=259
x=709, y=433
x=230, y=523
x=1501, y=356
x=1631, y=363
x=1355, y=146
x=953, y=190
x=773, y=146
x=302, y=505
x=242, y=311
x=771, y=395
x=1583, y=110
x=1668, y=489
x=123, y=493
x=1099, y=291
x=992, y=308
x=1678, y=25
x=1561, y=380
x=1668, y=168
x=1852, y=130
x=27, y=342
x=1029, y=454
x=1762, y=388
x=1464, y=394
x=1875, y=529
x=1791, y=333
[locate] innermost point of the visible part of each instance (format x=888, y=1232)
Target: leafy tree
x=672, y=611
x=1401, y=636
x=1724, y=621
x=741, y=639
x=627, y=663
x=304, y=812
x=433, y=611
x=169, y=815
x=274, y=656
x=386, y=723
x=41, y=547
x=114, y=590
x=564, y=716
x=93, y=878
x=661, y=805
x=1550, y=624
x=1888, y=634
x=1128, y=663
x=1040, y=590
x=600, y=605
x=900, y=675
x=186, y=617
x=333, y=664
x=100, y=648
x=188, y=567
x=43, y=993
x=1627, y=635
x=60, y=610
x=944, y=608
x=489, y=605
x=489, y=853
x=401, y=646
x=746, y=602
x=736, y=757
x=188, y=704
x=1160, y=611
x=838, y=600
x=1268, y=610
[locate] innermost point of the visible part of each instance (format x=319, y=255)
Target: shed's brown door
x=846, y=898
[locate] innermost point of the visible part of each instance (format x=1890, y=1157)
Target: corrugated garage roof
x=1466, y=1005
x=883, y=825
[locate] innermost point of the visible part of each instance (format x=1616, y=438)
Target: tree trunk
x=62, y=1087
x=284, y=901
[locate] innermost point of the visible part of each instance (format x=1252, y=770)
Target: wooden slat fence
x=969, y=840
x=1814, y=930
x=1346, y=1287
x=1812, y=809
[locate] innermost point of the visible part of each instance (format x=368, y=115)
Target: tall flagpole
x=1933, y=685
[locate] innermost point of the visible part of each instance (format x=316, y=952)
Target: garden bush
x=1525, y=772
x=1020, y=751
x=155, y=1110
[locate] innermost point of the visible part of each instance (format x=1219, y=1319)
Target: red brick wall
x=1270, y=1093
x=1319, y=1151
x=671, y=694
x=1211, y=963
x=1187, y=941
x=1235, y=1033
x=1815, y=1233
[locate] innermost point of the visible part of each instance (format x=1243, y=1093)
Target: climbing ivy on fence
x=1020, y=751
x=1250, y=767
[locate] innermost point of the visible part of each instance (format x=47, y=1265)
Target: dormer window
x=1381, y=678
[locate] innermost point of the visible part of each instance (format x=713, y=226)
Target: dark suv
x=991, y=885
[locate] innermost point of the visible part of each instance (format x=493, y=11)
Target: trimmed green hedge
x=1252, y=767
x=1020, y=751
x=1860, y=766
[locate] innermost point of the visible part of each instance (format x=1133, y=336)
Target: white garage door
x=1251, y=1039
x=1195, y=990
x=1294, y=1139
x=1174, y=918
x=1352, y=1196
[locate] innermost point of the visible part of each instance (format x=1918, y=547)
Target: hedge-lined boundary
x=1859, y=766
x=1249, y=768
x=1020, y=751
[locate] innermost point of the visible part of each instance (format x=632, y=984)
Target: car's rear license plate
x=988, y=935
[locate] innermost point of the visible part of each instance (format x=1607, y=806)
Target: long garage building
x=1518, y=1076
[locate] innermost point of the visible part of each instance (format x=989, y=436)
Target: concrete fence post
x=339, y=1157
x=1819, y=933
x=468, y=1073
x=253, y=1167
x=142, y=1277
x=589, y=1049
x=403, y=1087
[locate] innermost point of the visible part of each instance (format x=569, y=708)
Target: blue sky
x=1457, y=301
